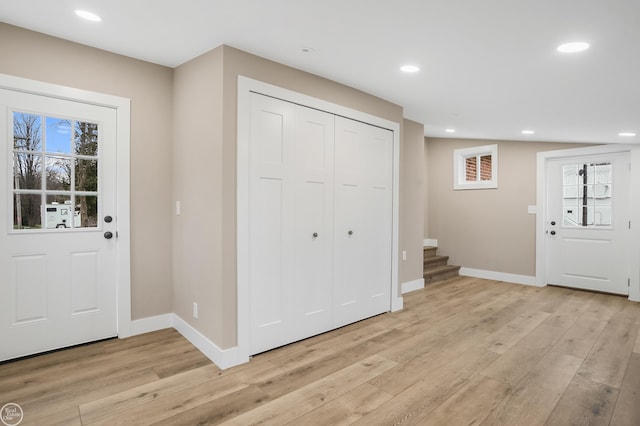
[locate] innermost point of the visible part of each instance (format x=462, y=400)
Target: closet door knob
x=315, y=235
x=350, y=232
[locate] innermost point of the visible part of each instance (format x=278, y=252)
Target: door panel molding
x=122, y=109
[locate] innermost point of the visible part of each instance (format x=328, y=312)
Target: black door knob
x=108, y=235
x=315, y=235
x=553, y=232
x=108, y=219
x=553, y=222
x=350, y=232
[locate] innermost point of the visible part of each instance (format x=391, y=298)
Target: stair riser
x=430, y=252
x=428, y=263
x=428, y=279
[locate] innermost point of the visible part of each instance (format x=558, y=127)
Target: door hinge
x=628, y=282
x=629, y=224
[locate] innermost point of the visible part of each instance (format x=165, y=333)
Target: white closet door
x=379, y=220
x=312, y=223
x=363, y=221
x=291, y=238
x=271, y=197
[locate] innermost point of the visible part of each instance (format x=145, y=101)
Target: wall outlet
x=195, y=310
x=404, y=255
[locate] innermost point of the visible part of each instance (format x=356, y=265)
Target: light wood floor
x=462, y=352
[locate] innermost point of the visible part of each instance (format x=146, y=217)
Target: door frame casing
x=634, y=208
x=247, y=85
x=122, y=107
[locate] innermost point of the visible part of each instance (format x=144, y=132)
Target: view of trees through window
x=55, y=172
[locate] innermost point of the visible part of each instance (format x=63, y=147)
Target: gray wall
x=412, y=188
x=197, y=183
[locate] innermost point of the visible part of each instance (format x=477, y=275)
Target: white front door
x=587, y=222
x=58, y=224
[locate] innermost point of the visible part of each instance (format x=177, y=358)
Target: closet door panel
x=271, y=202
x=379, y=189
x=362, y=258
x=313, y=222
x=350, y=228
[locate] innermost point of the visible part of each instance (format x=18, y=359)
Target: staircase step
x=430, y=251
x=440, y=273
x=433, y=261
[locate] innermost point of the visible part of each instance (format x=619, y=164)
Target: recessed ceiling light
x=528, y=132
x=450, y=130
x=89, y=16
x=573, y=47
x=409, y=68
x=626, y=134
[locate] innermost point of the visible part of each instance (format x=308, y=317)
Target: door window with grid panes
x=55, y=172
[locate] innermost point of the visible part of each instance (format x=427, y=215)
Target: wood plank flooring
x=464, y=351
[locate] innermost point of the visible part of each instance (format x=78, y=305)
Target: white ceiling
x=489, y=67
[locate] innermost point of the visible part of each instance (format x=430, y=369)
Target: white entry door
x=57, y=223
x=587, y=222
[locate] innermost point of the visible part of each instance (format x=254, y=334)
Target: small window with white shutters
x=475, y=168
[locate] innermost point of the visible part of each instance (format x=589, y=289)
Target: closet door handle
x=350, y=232
x=315, y=235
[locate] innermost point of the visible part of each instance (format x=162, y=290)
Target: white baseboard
x=412, y=285
x=430, y=243
x=397, y=303
x=223, y=358
x=500, y=276
x=147, y=325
